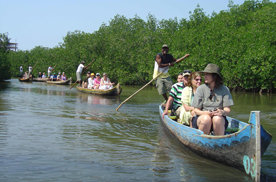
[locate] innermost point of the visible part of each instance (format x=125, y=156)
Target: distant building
x=12, y=46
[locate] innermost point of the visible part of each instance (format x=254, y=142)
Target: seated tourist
x=85, y=81
x=63, y=76
x=91, y=81
x=97, y=81
x=174, y=100
x=105, y=83
x=59, y=76
x=43, y=75
x=212, y=103
x=187, y=97
x=53, y=77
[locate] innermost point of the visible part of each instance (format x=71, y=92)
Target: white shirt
x=30, y=69
x=79, y=70
x=21, y=69
x=50, y=69
x=90, y=82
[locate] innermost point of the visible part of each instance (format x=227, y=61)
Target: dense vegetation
x=4, y=62
x=241, y=40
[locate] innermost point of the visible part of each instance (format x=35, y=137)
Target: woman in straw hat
x=212, y=103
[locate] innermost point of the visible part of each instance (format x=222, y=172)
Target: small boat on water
x=25, y=79
x=60, y=82
x=114, y=91
x=40, y=79
x=241, y=147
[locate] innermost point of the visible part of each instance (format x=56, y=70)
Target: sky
x=45, y=23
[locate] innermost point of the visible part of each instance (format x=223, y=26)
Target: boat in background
x=113, y=91
x=241, y=147
x=60, y=82
x=40, y=79
x=25, y=79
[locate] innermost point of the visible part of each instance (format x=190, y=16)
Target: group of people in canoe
x=202, y=106
x=93, y=81
x=51, y=76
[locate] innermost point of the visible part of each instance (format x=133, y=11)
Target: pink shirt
x=97, y=82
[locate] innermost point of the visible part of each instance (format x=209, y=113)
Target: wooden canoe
x=61, y=82
x=40, y=79
x=25, y=79
x=114, y=91
x=241, y=149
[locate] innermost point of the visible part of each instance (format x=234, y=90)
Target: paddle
x=82, y=72
x=177, y=61
x=137, y=91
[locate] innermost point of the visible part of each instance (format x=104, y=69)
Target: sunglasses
x=198, y=80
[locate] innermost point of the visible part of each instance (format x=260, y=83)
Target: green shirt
x=176, y=93
x=221, y=97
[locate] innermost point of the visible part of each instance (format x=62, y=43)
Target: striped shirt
x=176, y=93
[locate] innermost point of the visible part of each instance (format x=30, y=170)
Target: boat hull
x=40, y=79
x=238, y=149
x=114, y=91
x=25, y=80
x=63, y=82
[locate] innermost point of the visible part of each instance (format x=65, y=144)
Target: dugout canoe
x=25, y=79
x=40, y=79
x=241, y=149
x=114, y=91
x=61, y=82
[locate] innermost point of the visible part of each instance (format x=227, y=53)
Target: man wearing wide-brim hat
x=163, y=61
x=212, y=102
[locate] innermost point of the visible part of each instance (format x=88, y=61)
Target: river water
x=52, y=133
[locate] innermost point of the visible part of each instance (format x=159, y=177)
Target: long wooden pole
x=137, y=91
x=82, y=72
x=177, y=61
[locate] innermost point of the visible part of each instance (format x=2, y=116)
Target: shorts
x=194, y=122
x=163, y=85
x=78, y=74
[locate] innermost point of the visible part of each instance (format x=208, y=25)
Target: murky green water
x=52, y=133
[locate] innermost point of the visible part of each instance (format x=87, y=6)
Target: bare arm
x=182, y=58
x=200, y=112
x=168, y=105
x=222, y=112
x=188, y=108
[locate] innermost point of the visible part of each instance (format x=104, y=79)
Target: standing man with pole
x=79, y=71
x=163, y=61
x=21, y=70
x=49, y=71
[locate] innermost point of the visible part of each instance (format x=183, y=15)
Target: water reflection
x=55, y=133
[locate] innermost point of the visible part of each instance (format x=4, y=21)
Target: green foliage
x=241, y=40
x=4, y=62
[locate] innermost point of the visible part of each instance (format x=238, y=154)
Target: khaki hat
x=212, y=68
x=165, y=46
x=186, y=73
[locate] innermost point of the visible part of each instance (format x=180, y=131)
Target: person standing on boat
x=163, y=61
x=50, y=69
x=212, y=102
x=174, y=101
x=79, y=71
x=21, y=70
